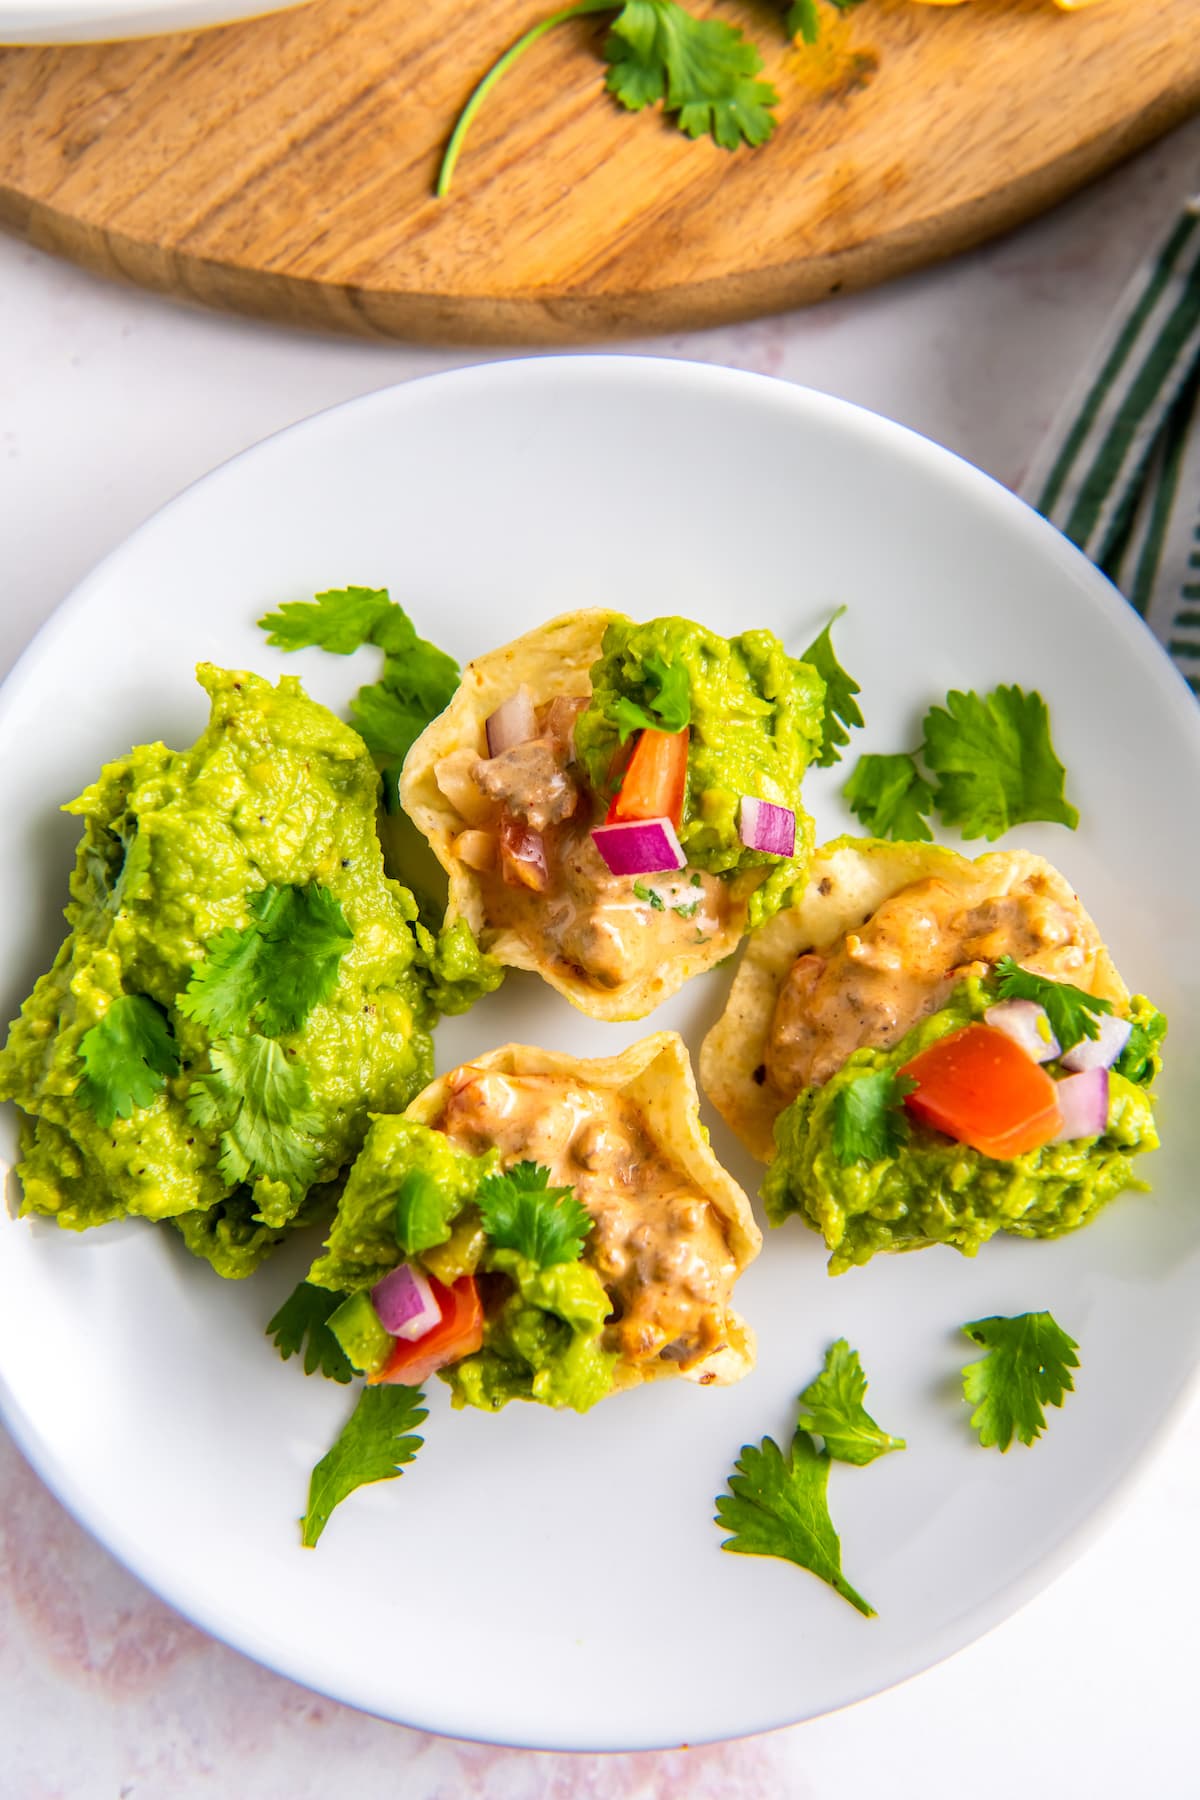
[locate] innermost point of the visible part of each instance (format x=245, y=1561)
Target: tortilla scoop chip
x=850, y=879
x=656, y=1075
x=553, y=662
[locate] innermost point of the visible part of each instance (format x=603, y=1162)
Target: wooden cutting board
x=284, y=167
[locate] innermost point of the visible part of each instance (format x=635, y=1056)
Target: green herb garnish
x=261, y=1102
x=274, y=971
x=1028, y=1367
x=842, y=712
x=836, y=1412
x=777, y=1506
x=993, y=764
x=868, y=1118
x=521, y=1211
x=300, y=1324
x=127, y=1057
x=375, y=1444
x=1069, y=1009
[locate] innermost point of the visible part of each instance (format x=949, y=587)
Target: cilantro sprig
x=521, y=1211
x=704, y=74
x=1070, y=1011
x=668, y=700
x=376, y=1443
x=777, y=1506
x=842, y=713
x=992, y=762
x=869, y=1123
x=836, y=1413
x=260, y=1101
x=1027, y=1368
x=127, y=1056
x=300, y=1325
x=275, y=970
x=418, y=679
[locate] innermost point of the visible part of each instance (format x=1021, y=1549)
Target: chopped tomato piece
x=655, y=781
x=980, y=1087
x=459, y=1333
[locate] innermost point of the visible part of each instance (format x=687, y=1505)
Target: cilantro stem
x=501, y=67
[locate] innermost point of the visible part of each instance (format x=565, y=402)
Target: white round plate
x=107, y=21
x=554, y=1580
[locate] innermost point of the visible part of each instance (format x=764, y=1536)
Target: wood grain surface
x=284, y=167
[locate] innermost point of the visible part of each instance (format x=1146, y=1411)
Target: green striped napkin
x=1119, y=473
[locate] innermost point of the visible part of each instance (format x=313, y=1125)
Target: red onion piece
x=405, y=1303
x=511, y=724
x=1027, y=1024
x=1102, y=1051
x=523, y=861
x=764, y=826
x=1084, y=1102
x=640, y=847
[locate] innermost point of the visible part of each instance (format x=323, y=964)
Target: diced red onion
x=640, y=847
x=1102, y=1051
x=513, y=723
x=405, y=1303
x=764, y=826
x=1027, y=1024
x=1084, y=1102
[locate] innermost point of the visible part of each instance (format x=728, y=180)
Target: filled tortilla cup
x=644, y=1288
x=933, y=1050
x=510, y=806
x=921, y=914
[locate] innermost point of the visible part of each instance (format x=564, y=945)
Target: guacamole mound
x=756, y=721
x=934, y=1190
x=176, y=847
x=542, y=1325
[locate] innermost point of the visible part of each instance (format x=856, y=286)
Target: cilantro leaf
x=1028, y=1366
x=867, y=1120
x=776, y=1506
x=260, y=1101
x=836, y=1412
x=667, y=708
x=127, y=1056
x=423, y=1212
x=374, y=1444
x=802, y=20
x=1139, y=1061
x=274, y=971
x=891, y=797
x=842, y=713
x=418, y=679
x=995, y=762
x=702, y=70
x=302, y=1316
x=520, y=1211
x=652, y=896
x=340, y=620
x=1069, y=1009
x=388, y=724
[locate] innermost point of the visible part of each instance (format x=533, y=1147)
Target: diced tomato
x=459, y=1334
x=523, y=860
x=655, y=782
x=980, y=1087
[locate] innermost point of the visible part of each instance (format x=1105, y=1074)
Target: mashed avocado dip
x=227, y=1116
x=934, y=1190
x=755, y=717
x=542, y=1343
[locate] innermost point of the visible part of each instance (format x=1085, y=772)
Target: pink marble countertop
x=112, y=401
